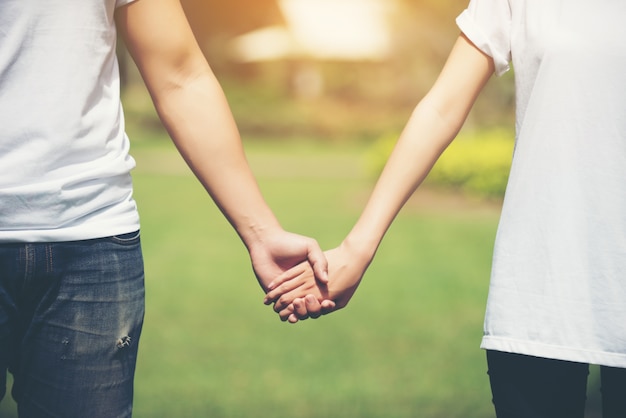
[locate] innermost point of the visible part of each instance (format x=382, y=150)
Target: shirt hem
x=92, y=230
x=578, y=355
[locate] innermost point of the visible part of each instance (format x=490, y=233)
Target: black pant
x=532, y=387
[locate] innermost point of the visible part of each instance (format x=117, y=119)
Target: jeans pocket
x=130, y=238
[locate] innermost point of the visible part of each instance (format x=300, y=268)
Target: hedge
x=476, y=163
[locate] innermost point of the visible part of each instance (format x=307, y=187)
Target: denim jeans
x=70, y=318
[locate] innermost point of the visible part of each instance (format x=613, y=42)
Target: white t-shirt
x=63, y=151
x=558, y=285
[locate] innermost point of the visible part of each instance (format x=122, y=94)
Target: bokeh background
x=320, y=90
x=334, y=69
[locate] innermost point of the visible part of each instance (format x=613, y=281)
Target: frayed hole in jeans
x=123, y=342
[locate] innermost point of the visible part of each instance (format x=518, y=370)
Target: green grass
x=406, y=345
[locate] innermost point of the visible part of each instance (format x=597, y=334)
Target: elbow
x=443, y=121
x=448, y=114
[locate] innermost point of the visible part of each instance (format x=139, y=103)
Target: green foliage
x=475, y=163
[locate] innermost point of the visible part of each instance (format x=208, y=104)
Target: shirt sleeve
x=487, y=24
x=119, y=3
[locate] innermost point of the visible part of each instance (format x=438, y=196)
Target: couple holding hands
x=71, y=268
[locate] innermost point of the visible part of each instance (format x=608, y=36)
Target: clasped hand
x=297, y=295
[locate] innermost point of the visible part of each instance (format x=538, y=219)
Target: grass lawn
x=406, y=345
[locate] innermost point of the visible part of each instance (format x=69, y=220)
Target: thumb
x=318, y=262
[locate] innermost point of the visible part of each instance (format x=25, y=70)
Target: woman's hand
x=296, y=294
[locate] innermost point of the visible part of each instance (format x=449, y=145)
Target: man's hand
x=195, y=111
x=280, y=250
x=296, y=294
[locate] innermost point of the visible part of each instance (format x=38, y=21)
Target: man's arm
x=192, y=106
x=434, y=123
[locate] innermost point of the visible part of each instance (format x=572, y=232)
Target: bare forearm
x=432, y=126
x=198, y=118
x=195, y=112
x=424, y=138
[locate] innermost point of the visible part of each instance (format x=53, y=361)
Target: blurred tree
x=423, y=31
x=443, y=9
x=232, y=17
x=213, y=21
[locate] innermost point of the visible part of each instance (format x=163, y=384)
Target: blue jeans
x=70, y=318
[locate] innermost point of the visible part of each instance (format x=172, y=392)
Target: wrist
x=255, y=234
x=362, y=247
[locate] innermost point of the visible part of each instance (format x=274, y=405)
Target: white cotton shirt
x=558, y=285
x=64, y=162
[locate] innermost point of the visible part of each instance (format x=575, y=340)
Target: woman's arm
x=434, y=123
